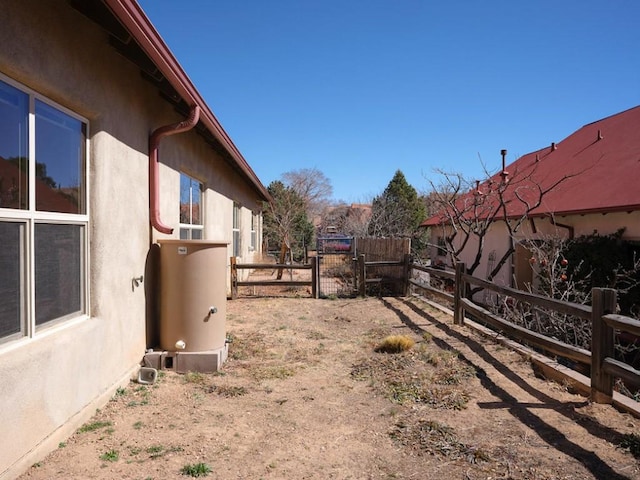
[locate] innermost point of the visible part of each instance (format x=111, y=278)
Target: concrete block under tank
x=193, y=299
x=183, y=362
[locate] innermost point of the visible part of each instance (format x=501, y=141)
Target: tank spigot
x=180, y=345
x=213, y=310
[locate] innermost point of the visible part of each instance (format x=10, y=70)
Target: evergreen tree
x=398, y=211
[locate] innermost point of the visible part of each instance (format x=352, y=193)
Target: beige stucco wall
x=54, y=381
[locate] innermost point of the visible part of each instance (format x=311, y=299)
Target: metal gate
x=336, y=266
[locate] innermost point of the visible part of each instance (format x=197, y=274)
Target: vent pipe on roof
x=553, y=146
x=600, y=137
x=504, y=173
x=154, y=170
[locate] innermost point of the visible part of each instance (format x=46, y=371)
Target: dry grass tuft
x=412, y=378
x=435, y=438
x=227, y=390
x=395, y=344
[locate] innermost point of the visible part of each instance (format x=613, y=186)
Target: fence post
x=406, y=273
x=459, y=290
x=362, y=274
x=234, y=279
x=603, y=301
x=314, y=276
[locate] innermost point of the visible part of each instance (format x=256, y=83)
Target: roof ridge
x=610, y=116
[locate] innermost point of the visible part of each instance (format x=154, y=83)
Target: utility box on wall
x=193, y=302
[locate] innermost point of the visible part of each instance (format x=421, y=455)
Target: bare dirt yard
x=306, y=395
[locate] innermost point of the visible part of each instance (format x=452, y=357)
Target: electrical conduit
x=154, y=169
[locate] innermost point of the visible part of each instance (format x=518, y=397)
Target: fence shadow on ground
x=549, y=434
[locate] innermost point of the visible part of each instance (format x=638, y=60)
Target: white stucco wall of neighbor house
x=496, y=239
x=54, y=378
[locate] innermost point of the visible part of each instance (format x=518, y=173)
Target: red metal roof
x=601, y=161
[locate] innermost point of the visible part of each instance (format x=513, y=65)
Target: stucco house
x=106, y=148
x=592, y=182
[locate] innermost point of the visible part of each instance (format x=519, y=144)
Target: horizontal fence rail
x=549, y=344
x=364, y=277
x=235, y=283
x=438, y=273
x=569, y=308
x=604, y=367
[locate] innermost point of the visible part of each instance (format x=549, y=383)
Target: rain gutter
x=154, y=173
x=133, y=18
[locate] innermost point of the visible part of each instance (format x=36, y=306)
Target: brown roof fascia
x=592, y=211
x=139, y=26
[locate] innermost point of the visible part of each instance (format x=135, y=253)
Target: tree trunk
x=283, y=255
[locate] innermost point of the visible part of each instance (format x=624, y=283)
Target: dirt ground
x=305, y=395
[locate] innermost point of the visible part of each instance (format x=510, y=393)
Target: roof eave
x=435, y=221
x=587, y=211
x=139, y=26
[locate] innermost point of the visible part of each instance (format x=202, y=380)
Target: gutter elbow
x=154, y=170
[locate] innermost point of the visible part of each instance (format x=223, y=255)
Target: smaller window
x=442, y=247
x=236, y=229
x=254, y=231
x=191, y=193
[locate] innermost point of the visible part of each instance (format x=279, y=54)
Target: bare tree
x=552, y=278
x=466, y=211
x=347, y=219
x=312, y=186
x=285, y=219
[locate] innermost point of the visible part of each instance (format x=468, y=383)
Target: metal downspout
x=154, y=170
x=570, y=229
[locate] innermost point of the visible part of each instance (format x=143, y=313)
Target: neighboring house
x=347, y=219
x=84, y=87
x=601, y=163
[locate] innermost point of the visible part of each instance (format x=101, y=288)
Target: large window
x=43, y=212
x=191, y=227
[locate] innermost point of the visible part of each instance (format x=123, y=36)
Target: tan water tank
x=193, y=295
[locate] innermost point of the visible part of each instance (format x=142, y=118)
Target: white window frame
x=30, y=217
x=187, y=229
x=235, y=227
x=254, y=232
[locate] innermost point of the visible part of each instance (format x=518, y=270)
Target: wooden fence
x=604, y=322
x=368, y=274
x=604, y=367
x=235, y=283
x=390, y=274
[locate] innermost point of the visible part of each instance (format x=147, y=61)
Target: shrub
x=395, y=344
x=196, y=470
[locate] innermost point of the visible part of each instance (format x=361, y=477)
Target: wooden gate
x=338, y=272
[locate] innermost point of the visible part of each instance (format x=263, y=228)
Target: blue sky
x=359, y=89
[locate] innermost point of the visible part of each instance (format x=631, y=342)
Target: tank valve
x=213, y=310
x=180, y=345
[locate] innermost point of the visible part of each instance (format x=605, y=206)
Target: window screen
x=58, y=271
x=12, y=266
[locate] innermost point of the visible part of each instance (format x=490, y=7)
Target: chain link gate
x=336, y=266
